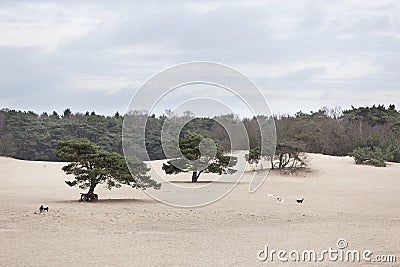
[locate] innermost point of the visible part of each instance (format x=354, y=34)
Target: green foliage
x=361, y=154
x=200, y=155
x=92, y=166
x=375, y=115
x=288, y=154
x=392, y=150
x=26, y=135
x=369, y=155
x=29, y=136
x=254, y=155
x=302, y=115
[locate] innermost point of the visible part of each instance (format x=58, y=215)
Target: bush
x=360, y=154
x=369, y=155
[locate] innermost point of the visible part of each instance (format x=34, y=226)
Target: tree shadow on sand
x=202, y=182
x=111, y=200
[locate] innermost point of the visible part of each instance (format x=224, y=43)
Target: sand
x=127, y=228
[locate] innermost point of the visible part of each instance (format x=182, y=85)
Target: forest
x=363, y=132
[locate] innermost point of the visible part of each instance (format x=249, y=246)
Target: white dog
x=280, y=200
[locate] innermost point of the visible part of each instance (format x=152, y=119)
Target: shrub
x=369, y=155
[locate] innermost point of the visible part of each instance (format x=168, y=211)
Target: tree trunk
x=280, y=161
x=91, y=188
x=194, y=177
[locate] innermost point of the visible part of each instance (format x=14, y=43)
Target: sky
x=94, y=55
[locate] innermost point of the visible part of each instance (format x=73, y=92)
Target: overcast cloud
x=302, y=54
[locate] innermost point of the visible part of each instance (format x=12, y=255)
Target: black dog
x=42, y=209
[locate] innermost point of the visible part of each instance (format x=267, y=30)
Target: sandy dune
x=127, y=228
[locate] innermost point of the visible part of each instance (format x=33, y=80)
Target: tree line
x=370, y=134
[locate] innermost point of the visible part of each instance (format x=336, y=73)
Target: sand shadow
x=110, y=200
x=126, y=200
x=258, y=171
x=200, y=182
